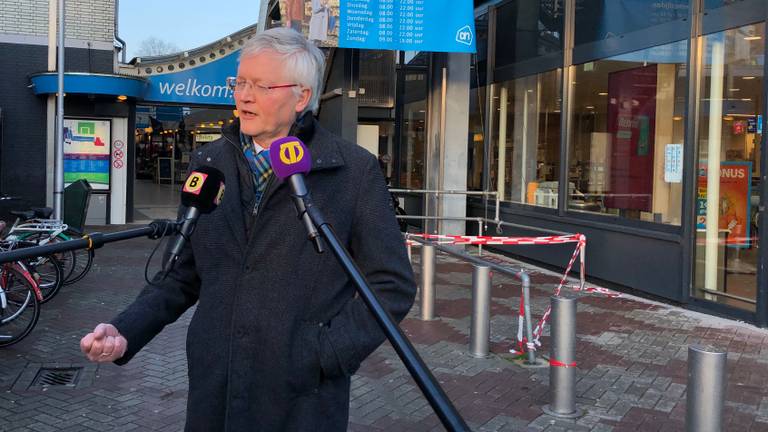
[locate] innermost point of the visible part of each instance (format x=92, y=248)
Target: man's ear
x=303, y=101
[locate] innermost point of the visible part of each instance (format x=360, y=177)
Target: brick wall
x=91, y=20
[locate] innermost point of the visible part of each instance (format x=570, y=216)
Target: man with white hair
x=278, y=330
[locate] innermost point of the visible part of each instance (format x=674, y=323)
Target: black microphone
x=202, y=192
x=290, y=160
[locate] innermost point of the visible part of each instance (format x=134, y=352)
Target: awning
x=87, y=83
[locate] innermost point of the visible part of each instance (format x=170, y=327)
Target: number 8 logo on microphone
x=194, y=183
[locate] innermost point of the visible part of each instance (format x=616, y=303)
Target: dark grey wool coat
x=278, y=329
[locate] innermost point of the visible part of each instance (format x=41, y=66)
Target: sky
x=185, y=23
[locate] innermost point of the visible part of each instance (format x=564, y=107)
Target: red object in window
x=739, y=127
x=98, y=142
x=632, y=125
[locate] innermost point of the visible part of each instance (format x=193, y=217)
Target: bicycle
x=46, y=271
x=36, y=226
x=20, y=298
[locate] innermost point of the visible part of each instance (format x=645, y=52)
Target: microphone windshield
x=203, y=189
x=289, y=156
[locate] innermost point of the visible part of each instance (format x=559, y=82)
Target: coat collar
x=323, y=148
x=322, y=145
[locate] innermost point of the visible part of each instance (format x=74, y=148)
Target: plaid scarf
x=261, y=168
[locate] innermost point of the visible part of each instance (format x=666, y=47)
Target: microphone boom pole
x=155, y=230
x=435, y=395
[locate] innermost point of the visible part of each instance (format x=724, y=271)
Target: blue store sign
x=408, y=25
x=205, y=84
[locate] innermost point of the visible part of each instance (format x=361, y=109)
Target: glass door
x=728, y=168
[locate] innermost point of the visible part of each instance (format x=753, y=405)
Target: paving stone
x=631, y=353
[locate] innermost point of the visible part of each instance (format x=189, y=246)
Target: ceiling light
x=590, y=107
x=746, y=100
x=122, y=98
x=677, y=118
x=603, y=94
x=734, y=90
x=752, y=38
x=748, y=77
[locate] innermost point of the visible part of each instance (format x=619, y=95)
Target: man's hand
x=105, y=344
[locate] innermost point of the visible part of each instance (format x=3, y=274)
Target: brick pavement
x=631, y=355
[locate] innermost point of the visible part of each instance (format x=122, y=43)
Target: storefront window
x=528, y=29
x=714, y=4
x=597, y=20
x=728, y=180
x=526, y=139
x=414, y=138
x=627, y=135
x=476, y=154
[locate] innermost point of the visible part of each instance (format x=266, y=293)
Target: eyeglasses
x=240, y=85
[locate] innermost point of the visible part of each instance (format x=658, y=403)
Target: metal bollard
x=562, y=360
x=480, y=329
x=408, y=248
x=706, y=389
x=427, y=282
x=527, y=316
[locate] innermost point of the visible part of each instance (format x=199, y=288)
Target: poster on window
x=86, y=152
x=734, y=209
x=632, y=127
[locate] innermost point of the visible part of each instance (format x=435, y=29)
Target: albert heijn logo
x=195, y=183
x=291, y=152
x=464, y=35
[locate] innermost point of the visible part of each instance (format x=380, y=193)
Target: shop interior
x=165, y=136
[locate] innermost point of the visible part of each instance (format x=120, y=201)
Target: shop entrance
x=165, y=137
x=729, y=170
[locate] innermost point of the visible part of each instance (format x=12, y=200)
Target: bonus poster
x=734, y=208
x=86, y=152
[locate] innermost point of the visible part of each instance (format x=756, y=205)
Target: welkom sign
x=203, y=85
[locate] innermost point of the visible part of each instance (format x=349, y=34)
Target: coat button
x=248, y=268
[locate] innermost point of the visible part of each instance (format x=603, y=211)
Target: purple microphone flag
x=289, y=156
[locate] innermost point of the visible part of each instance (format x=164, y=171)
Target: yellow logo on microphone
x=291, y=152
x=220, y=195
x=194, y=182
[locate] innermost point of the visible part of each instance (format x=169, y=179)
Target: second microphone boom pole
x=154, y=230
x=437, y=398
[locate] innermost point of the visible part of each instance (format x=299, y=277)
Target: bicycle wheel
x=48, y=273
x=83, y=259
x=68, y=260
x=19, y=306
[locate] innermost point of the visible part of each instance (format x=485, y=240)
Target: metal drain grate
x=58, y=377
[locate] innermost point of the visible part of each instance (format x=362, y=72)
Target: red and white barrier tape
x=540, y=325
x=579, y=239
x=496, y=240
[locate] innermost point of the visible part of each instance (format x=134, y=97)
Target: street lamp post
x=58, y=185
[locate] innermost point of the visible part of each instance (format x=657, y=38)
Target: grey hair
x=303, y=60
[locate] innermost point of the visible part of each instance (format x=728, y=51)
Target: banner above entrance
x=202, y=85
x=407, y=25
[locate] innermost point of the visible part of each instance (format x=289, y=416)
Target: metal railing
x=450, y=192
x=496, y=218
x=481, y=300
